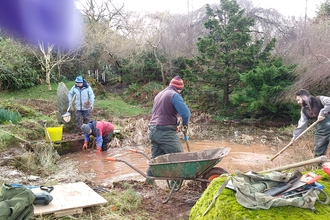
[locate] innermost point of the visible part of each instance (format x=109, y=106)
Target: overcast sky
x=286, y=7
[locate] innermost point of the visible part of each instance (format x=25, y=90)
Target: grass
x=37, y=92
x=113, y=105
x=119, y=108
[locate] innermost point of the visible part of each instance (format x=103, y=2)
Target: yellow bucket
x=55, y=133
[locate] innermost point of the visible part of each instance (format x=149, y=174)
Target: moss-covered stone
x=226, y=206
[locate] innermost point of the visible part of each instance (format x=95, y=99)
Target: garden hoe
x=67, y=116
x=291, y=142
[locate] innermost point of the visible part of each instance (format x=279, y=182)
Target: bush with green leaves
x=18, y=67
x=261, y=88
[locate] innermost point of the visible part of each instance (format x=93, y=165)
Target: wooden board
x=69, y=199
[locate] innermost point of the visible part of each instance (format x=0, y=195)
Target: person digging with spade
x=168, y=104
x=314, y=108
x=102, y=132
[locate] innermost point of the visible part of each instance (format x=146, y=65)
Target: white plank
x=69, y=196
x=68, y=212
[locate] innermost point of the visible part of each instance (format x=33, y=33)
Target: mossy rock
x=226, y=207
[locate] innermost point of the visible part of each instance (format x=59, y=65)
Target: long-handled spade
x=67, y=116
x=184, y=130
x=307, y=129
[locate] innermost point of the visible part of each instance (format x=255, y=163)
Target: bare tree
x=48, y=61
x=311, y=53
x=106, y=25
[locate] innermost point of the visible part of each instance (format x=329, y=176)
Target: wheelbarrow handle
x=128, y=164
x=140, y=152
x=112, y=159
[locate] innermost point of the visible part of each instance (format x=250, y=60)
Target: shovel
x=67, y=116
x=186, y=137
x=307, y=129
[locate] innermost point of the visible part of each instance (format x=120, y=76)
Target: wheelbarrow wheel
x=211, y=174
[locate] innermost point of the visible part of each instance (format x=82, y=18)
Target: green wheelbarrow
x=176, y=167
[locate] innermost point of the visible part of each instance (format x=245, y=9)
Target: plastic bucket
x=55, y=133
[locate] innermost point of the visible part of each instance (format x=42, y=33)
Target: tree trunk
x=161, y=67
x=226, y=95
x=48, y=80
x=48, y=70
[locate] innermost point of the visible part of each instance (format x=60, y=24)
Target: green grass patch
x=37, y=92
x=128, y=201
x=118, y=107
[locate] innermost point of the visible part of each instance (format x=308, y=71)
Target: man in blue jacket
x=84, y=101
x=168, y=104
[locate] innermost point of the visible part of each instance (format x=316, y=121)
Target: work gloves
x=320, y=117
x=85, y=146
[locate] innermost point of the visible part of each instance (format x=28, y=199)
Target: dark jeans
x=106, y=140
x=82, y=117
x=322, y=137
x=164, y=140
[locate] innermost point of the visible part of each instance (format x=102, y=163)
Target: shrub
x=7, y=116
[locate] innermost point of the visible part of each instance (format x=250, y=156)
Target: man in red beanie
x=163, y=124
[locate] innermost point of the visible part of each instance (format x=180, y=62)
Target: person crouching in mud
x=102, y=132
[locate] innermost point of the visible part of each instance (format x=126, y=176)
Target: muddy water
x=241, y=157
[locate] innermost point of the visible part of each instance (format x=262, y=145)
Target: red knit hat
x=177, y=82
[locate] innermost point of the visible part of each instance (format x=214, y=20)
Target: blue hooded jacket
x=84, y=99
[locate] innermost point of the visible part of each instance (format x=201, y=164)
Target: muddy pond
x=254, y=157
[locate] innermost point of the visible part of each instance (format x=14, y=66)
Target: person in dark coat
x=314, y=108
x=168, y=104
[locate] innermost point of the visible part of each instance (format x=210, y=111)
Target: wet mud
x=105, y=172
